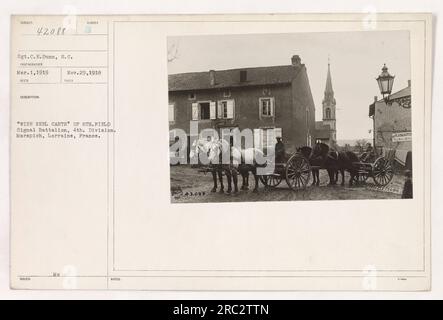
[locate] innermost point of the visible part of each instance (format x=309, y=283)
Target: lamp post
x=385, y=82
x=373, y=126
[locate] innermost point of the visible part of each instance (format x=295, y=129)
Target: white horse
x=199, y=146
x=235, y=161
x=212, y=150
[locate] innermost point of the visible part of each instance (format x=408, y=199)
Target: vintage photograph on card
x=221, y=152
x=285, y=117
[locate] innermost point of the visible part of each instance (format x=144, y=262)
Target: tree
x=173, y=51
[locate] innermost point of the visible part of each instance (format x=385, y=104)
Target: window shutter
x=260, y=112
x=195, y=111
x=257, y=138
x=219, y=110
x=264, y=138
x=273, y=107
x=172, y=135
x=270, y=138
x=171, y=112
x=212, y=110
x=230, y=106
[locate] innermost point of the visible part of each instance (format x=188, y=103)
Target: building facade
x=271, y=101
x=326, y=130
x=392, y=125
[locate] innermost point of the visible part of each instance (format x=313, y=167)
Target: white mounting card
x=100, y=199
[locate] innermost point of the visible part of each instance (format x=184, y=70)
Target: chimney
x=409, y=83
x=375, y=99
x=295, y=60
x=212, y=77
x=243, y=75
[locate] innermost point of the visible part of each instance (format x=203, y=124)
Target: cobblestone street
x=190, y=185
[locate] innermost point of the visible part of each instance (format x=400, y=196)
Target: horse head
x=193, y=150
x=320, y=150
x=216, y=149
x=199, y=146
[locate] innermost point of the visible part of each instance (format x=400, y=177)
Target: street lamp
x=385, y=82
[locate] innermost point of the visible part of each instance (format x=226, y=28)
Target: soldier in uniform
x=369, y=147
x=368, y=153
x=280, y=152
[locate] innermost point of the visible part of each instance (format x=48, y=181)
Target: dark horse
x=318, y=158
x=346, y=161
x=321, y=156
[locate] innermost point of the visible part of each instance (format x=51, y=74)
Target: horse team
x=243, y=162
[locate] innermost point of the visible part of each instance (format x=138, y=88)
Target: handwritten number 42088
x=42, y=31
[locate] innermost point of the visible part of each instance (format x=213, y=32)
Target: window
x=243, y=75
x=266, y=107
x=226, y=94
x=192, y=96
x=225, y=109
x=171, y=113
x=328, y=113
x=204, y=110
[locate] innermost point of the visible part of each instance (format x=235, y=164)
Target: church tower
x=329, y=106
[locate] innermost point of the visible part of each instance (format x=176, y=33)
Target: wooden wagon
x=296, y=171
x=381, y=171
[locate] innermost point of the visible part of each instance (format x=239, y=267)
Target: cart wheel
x=382, y=172
x=298, y=172
x=271, y=180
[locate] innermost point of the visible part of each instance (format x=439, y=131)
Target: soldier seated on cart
x=367, y=154
x=280, y=152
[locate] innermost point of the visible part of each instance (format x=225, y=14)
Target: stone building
x=392, y=125
x=272, y=101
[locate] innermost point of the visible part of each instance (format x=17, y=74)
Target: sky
x=356, y=59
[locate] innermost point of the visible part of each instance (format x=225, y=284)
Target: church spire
x=329, y=92
x=329, y=108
